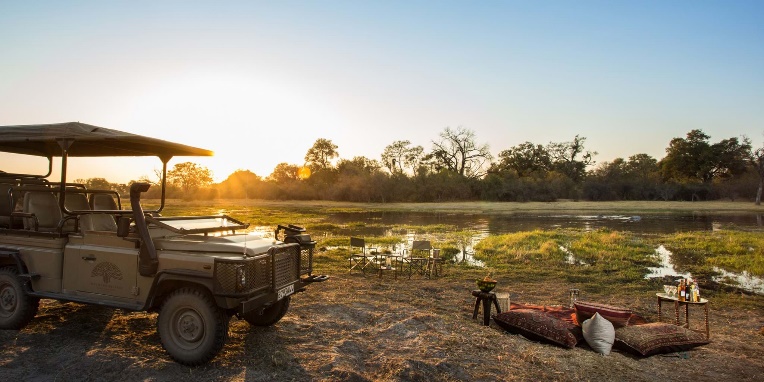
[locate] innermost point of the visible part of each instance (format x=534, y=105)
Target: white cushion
x=599, y=333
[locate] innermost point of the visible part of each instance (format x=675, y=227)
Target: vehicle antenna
x=245, y=244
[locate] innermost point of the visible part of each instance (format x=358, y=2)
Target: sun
x=303, y=173
x=250, y=122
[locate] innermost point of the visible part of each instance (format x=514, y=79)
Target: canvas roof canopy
x=87, y=141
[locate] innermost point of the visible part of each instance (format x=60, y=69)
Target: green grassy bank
x=605, y=261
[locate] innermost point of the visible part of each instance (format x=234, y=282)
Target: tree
x=320, y=154
x=95, y=183
x=757, y=161
x=398, y=157
x=284, y=172
x=694, y=159
x=241, y=184
x=189, y=177
x=642, y=166
x=357, y=166
x=457, y=152
x=525, y=159
x=570, y=158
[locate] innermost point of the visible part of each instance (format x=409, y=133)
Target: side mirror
x=123, y=226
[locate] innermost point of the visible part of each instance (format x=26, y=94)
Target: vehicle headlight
x=241, y=278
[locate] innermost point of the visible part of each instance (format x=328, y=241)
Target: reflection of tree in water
x=694, y=262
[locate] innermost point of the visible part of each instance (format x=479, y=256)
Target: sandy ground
x=355, y=328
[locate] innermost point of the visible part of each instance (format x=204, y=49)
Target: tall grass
x=604, y=258
x=738, y=251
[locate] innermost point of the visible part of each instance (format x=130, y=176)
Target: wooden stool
x=486, y=298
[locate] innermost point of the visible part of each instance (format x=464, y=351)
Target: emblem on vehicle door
x=106, y=270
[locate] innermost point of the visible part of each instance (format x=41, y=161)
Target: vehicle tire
x=271, y=314
x=17, y=308
x=191, y=326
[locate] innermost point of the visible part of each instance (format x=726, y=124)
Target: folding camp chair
x=361, y=256
x=418, y=258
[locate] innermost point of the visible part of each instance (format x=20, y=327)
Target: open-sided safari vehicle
x=62, y=241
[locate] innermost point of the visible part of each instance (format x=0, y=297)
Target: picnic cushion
x=599, y=334
x=657, y=338
x=619, y=317
x=539, y=325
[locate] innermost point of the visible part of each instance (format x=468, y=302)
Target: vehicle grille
x=283, y=261
x=306, y=260
x=287, y=264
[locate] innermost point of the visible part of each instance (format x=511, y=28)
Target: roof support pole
x=164, y=181
x=64, y=144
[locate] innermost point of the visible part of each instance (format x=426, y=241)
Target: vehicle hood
x=232, y=244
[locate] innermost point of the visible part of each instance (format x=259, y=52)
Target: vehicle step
x=30, y=275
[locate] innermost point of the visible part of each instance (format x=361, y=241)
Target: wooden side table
x=487, y=298
x=677, y=304
x=389, y=262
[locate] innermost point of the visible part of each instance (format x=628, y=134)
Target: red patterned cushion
x=620, y=317
x=539, y=325
x=656, y=338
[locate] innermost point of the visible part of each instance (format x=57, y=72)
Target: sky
x=258, y=82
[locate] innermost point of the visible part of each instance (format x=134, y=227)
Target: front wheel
x=271, y=314
x=17, y=308
x=192, y=328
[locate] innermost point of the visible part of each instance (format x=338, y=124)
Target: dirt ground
x=356, y=328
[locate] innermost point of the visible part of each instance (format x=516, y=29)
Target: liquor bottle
x=681, y=290
x=697, y=293
x=693, y=288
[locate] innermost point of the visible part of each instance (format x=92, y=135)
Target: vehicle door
x=101, y=265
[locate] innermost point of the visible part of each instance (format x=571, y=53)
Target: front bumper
x=268, y=299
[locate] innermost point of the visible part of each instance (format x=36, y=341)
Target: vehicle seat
x=75, y=201
x=97, y=222
x=103, y=202
x=6, y=205
x=43, y=205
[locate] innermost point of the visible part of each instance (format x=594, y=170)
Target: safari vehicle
x=66, y=242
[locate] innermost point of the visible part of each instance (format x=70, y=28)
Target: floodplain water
x=479, y=226
x=495, y=224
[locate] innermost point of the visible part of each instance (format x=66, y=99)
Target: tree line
x=457, y=168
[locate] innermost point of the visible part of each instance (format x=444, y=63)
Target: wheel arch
x=12, y=257
x=166, y=282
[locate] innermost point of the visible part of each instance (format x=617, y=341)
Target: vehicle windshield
x=199, y=224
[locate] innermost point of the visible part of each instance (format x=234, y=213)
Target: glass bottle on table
x=681, y=290
x=691, y=292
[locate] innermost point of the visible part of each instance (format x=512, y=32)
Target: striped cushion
x=539, y=325
x=619, y=317
x=656, y=338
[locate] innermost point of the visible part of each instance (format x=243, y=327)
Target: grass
x=733, y=250
x=480, y=207
x=606, y=260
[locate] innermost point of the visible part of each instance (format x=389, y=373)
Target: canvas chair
x=435, y=265
x=418, y=259
x=361, y=256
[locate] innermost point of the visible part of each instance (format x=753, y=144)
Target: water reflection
x=744, y=280
x=571, y=259
x=496, y=224
x=666, y=267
